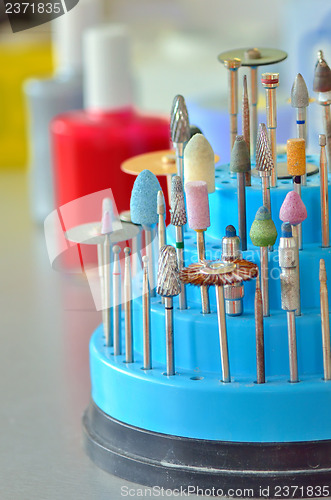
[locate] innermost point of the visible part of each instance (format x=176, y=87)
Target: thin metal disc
x=158, y=162
x=268, y=56
x=89, y=234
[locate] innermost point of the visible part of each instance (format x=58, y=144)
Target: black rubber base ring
x=281, y=470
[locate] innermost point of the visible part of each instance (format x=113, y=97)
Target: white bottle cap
x=68, y=31
x=107, y=68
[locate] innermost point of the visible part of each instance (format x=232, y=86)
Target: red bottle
x=89, y=146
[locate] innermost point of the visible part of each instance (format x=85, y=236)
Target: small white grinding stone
x=199, y=162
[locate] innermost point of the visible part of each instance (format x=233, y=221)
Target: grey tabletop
x=47, y=319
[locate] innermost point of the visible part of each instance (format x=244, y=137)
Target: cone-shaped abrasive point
x=263, y=232
x=299, y=93
x=240, y=161
x=293, y=209
x=143, y=203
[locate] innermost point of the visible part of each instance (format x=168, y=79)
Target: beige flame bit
x=325, y=320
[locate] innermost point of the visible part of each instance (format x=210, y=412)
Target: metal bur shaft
x=289, y=294
x=246, y=127
x=233, y=293
x=179, y=219
x=180, y=131
x=253, y=54
x=161, y=210
x=223, y=334
x=117, y=300
x=149, y=253
x=128, y=307
x=324, y=193
x=233, y=65
x=298, y=228
x=201, y=256
x=325, y=321
x=146, y=302
x=104, y=256
x=259, y=334
x=168, y=286
x=270, y=82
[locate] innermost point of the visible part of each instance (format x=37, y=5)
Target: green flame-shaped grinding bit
x=263, y=232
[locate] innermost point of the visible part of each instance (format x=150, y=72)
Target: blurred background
x=175, y=47
x=47, y=318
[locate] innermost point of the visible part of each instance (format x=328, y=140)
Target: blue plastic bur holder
x=191, y=428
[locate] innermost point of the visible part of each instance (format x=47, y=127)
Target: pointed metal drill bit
x=179, y=121
x=246, y=126
x=169, y=285
x=264, y=163
x=179, y=219
x=178, y=211
x=180, y=131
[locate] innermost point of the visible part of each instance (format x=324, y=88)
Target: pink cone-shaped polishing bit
x=293, y=209
x=197, y=205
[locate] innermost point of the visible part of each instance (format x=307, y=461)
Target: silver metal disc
x=268, y=56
